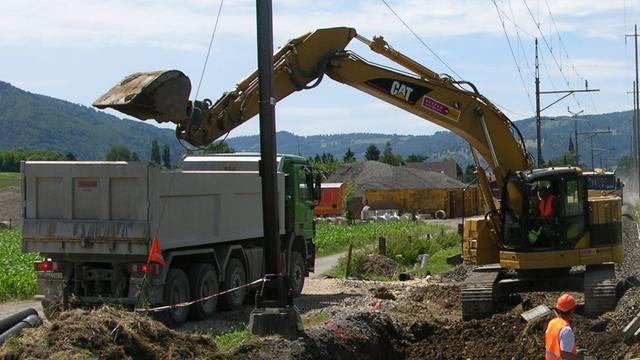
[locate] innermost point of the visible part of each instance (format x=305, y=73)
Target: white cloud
x=187, y=24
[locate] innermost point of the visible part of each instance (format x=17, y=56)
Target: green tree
x=416, y=158
x=372, y=153
x=166, y=156
x=155, y=152
x=347, y=198
x=566, y=159
x=349, y=156
x=118, y=153
x=469, y=175
x=388, y=157
x=219, y=147
x=10, y=160
x=326, y=164
x=134, y=156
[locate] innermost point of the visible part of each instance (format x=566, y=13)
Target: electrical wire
x=513, y=55
x=420, y=40
x=546, y=42
x=206, y=60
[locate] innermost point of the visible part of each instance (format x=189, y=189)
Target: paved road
x=325, y=264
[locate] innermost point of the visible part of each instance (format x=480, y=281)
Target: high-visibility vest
x=552, y=339
x=545, y=207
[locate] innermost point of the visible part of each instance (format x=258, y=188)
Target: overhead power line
x=513, y=55
x=420, y=40
x=206, y=60
x=546, y=42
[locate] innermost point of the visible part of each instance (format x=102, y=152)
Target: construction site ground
x=416, y=319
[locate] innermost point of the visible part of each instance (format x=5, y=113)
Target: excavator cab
x=544, y=210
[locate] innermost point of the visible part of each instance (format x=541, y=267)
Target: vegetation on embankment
x=405, y=240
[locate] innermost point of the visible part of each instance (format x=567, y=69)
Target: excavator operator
x=546, y=204
x=544, y=228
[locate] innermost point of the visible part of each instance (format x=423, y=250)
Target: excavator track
x=478, y=292
x=599, y=289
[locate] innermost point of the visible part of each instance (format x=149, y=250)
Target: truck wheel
x=296, y=276
x=176, y=290
x=234, y=277
x=203, y=281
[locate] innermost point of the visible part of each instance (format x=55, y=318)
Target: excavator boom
x=301, y=64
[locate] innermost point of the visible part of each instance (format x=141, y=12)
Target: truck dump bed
x=115, y=208
x=92, y=208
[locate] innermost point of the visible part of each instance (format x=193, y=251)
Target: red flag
x=155, y=253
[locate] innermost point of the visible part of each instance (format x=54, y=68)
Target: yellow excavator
x=517, y=248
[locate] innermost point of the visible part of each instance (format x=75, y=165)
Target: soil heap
x=376, y=175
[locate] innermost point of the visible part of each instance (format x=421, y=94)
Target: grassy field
x=8, y=179
x=17, y=278
x=405, y=241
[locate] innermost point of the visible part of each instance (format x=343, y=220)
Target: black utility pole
x=575, y=132
x=590, y=135
x=635, y=141
x=538, y=135
x=272, y=314
x=538, y=110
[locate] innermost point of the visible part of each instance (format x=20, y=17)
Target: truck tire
x=234, y=277
x=297, y=272
x=203, y=281
x=176, y=290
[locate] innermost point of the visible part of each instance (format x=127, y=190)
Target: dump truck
x=95, y=223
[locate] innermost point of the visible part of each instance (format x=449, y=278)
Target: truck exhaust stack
x=159, y=95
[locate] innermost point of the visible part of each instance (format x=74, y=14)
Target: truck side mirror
x=317, y=186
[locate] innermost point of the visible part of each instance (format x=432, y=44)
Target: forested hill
x=555, y=136
x=30, y=121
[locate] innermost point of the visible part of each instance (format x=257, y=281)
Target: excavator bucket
x=159, y=95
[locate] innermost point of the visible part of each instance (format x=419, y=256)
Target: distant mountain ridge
x=32, y=121
x=555, y=140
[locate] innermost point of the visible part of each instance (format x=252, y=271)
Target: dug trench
x=417, y=319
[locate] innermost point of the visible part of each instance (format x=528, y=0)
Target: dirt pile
x=361, y=336
x=379, y=265
x=376, y=175
x=106, y=333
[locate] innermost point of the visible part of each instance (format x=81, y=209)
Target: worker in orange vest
x=560, y=341
x=545, y=206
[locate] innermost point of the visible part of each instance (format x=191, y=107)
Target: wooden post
x=347, y=272
x=382, y=246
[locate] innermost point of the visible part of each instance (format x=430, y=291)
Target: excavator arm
x=301, y=64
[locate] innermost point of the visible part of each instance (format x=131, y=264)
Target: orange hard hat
x=565, y=302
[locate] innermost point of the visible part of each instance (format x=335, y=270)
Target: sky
x=77, y=49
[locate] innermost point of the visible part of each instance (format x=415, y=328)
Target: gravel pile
x=376, y=175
